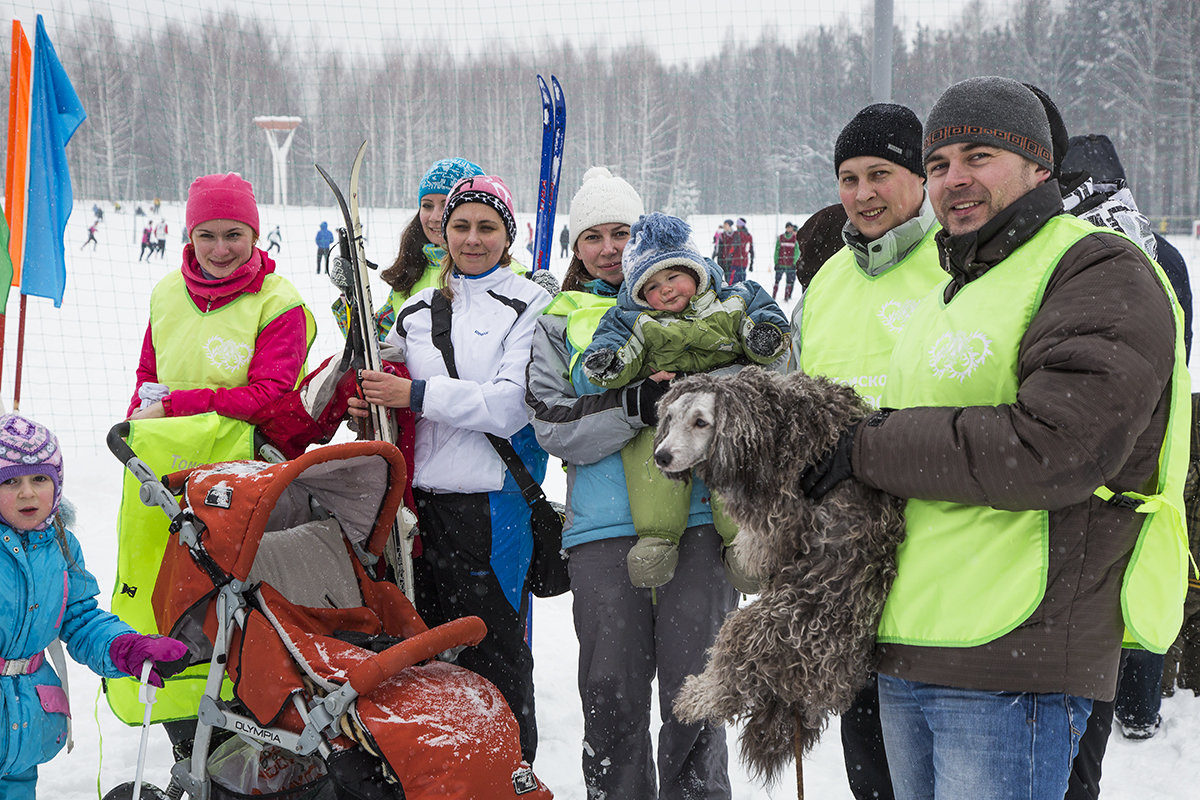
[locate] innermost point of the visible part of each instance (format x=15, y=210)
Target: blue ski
x=554, y=123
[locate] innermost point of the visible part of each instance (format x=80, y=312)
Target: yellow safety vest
x=970, y=574
x=196, y=349
x=851, y=320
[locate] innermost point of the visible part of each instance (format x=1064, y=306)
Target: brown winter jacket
x=1094, y=388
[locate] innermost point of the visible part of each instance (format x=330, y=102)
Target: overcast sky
x=678, y=29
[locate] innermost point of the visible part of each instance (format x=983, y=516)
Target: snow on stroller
x=264, y=579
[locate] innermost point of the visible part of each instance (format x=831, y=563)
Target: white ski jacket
x=492, y=331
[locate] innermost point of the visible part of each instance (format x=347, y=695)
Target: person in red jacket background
x=741, y=259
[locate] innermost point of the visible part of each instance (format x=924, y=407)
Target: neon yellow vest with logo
x=850, y=320
x=197, y=349
x=583, y=311
x=165, y=445
x=970, y=574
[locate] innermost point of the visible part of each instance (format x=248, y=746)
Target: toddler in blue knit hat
x=675, y=315
x=50, y=596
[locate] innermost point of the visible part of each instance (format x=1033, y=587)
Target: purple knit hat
x=486, y=189
x=28, y=448
x=226, y=196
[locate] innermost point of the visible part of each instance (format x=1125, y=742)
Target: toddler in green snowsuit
x=673, y=315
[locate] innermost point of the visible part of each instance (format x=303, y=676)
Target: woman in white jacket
x=474, y=523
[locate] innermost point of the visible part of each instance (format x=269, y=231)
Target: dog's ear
x=727, y=454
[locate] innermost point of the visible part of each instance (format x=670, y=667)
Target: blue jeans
x=945, y=743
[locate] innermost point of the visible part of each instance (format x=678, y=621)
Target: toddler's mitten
x=544, y=279
x=763, y=340
x=129, y=650
x=601, y=363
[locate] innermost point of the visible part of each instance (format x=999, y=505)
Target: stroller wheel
x=125, y=792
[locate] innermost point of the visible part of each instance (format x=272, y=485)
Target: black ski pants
x=455, y=577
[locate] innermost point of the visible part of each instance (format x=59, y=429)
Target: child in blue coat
x=49, y=595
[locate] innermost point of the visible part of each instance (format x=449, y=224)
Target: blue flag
x=55, y=113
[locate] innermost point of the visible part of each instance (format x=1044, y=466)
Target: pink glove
x=129, y=650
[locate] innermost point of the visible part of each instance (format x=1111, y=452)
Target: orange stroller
x=264, y=579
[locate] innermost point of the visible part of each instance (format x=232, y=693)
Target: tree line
x=749, y=129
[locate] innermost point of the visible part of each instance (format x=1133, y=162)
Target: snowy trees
x=726, y=130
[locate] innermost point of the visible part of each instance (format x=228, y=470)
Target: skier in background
x=785, y=261
x=564, y=240
x=160, y=234
x=723, y=248
x=91, y=236
x=148, y=246
x=273, y=239
x=324, y=244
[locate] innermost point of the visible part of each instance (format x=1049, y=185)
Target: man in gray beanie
x=1036, y=418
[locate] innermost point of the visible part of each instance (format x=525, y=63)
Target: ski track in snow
x=78, y=378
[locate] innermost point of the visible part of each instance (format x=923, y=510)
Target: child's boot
x=652, y=561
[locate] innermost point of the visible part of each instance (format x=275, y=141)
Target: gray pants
x=625, y=637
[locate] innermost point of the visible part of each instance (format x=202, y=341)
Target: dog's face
x=685, y=433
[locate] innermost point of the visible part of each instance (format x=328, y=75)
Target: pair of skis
x=348, y=272
x=554, y=125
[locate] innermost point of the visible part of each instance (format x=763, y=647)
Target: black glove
x=763, y=339
x=642, y=400
x=831, y=469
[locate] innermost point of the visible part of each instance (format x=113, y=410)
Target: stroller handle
x=117, y=444
x=422, y=647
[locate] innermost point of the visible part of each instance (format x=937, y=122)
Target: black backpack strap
x=440, y=318
x=439, y=315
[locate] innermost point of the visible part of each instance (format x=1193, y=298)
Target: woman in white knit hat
x=622, y=630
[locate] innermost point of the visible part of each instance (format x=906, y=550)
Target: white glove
x=151, y=393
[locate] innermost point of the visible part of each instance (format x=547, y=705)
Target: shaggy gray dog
x=804, y=648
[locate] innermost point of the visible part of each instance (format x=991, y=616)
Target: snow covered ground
x=78, y=376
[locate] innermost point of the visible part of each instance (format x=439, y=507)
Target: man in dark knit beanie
x=877, y=159
x=1032, y=403
x=855, y=307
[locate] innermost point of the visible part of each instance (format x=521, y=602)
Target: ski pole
x=147, y=696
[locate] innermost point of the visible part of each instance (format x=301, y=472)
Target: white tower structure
x=271, y=125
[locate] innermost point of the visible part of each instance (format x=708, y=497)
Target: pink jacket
x=279, y=350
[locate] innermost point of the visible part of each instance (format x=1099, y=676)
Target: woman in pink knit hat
x=226, y=333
